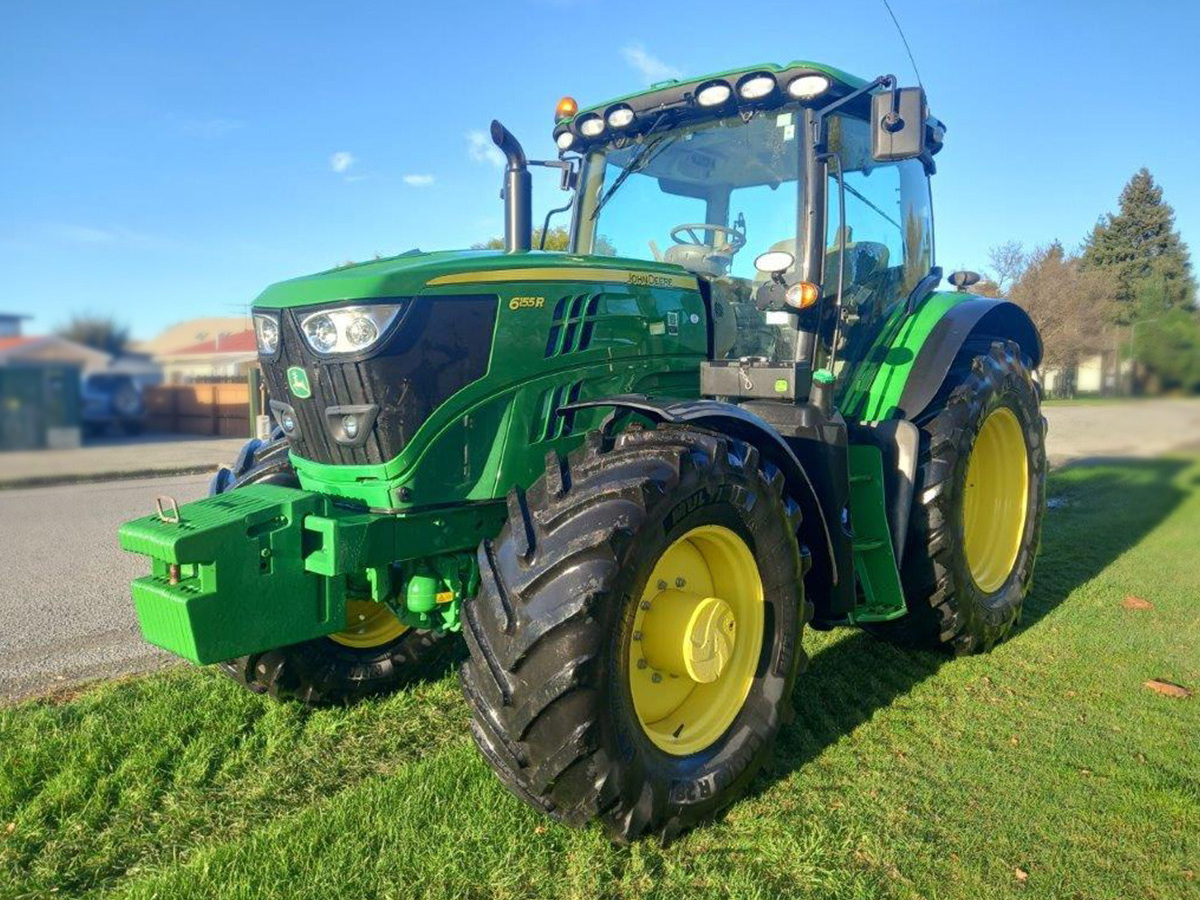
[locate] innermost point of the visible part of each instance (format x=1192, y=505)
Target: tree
x=100, y=332
x=1169, y=348
x=557, y=238
x=1140, y=243
x=1071, y=304
x=1008, y=261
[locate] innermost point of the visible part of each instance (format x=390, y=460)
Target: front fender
x=744, y=425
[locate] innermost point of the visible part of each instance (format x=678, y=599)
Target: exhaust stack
x=518, y=203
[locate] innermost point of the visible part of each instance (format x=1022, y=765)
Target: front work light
x=564, y=140
x=351, y=329
x=590, y=126
x=805, y=87
x=266, y=333
x=756, y=87
x=713, y=94
x=620, y=117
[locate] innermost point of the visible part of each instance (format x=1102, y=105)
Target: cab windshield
x=734, y=182
x=709, y=197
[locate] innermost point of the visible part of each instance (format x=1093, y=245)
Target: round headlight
x=360, y=332
x=564, y=140
x=266, y=331
x=620, y=117
x=713, y=94
x=806, y=87
x=321, y=332
x=590, y=126
x=756, y=86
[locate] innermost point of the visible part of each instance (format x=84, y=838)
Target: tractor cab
x=807, y=226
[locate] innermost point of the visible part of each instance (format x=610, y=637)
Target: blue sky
x=168, y=160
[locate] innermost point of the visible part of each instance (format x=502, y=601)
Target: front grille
x=439, y=345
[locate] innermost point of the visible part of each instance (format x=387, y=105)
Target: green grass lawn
x=1045, y=769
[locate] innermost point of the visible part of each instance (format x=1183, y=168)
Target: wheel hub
x=996, y=499
x=696, y=639
x=368, y=625
x=689, y=636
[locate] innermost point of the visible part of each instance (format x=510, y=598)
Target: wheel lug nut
x=679, y=582
x=637, y=635
x=642, y=664
x=645, y=604
x=656, y=678
x=662, y=585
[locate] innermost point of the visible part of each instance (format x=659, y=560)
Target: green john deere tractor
x=632, y=472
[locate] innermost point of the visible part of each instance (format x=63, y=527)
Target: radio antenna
x=907, y=48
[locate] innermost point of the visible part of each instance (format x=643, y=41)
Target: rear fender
x=919, y=360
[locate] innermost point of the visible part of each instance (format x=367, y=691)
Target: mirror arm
x=888, y=81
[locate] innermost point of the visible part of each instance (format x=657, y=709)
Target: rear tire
x=322, y=671
x=957, y=594
x=551, y=633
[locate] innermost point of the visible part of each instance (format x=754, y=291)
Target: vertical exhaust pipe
x=518, y=202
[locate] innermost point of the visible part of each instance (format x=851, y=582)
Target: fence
x=202, y=409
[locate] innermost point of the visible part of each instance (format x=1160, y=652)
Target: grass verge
x=1045, y=769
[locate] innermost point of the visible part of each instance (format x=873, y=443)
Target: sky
x=167, y=160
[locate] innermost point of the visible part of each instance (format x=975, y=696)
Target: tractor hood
x=412, y=273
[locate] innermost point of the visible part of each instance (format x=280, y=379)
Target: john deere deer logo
x=298, y=383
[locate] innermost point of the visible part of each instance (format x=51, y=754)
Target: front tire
x=375, y=655
x=580, y=685
x=979, y=500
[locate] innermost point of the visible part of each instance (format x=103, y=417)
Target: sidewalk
x=117, y=458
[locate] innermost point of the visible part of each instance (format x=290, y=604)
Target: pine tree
x=1141, y=250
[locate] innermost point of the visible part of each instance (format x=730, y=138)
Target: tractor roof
x=680, y=99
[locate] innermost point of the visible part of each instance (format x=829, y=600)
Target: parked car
x=112, y=400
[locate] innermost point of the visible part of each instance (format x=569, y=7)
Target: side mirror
x=898, y=124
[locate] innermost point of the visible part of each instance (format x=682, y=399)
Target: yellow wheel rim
x=696, y=640
x=368, y=624
x=996, y=499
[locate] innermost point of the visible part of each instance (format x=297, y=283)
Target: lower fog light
x=287, y=422
x=350, y=426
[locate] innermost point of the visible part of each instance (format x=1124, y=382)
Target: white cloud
x=481, y=149
x=341, y=161
x=214, y=127
x=419, y=180
x=649, y=66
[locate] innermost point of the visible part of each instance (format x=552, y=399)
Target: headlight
x=564, y=140
x=350, y=329
x=805, y=87
x=756, y=87
x=266, y=333
x=713, y=94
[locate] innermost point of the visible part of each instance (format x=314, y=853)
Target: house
x=18, y=348
x=192, y=332
x=223, y=356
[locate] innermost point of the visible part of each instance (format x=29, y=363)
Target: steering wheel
x=737, y=240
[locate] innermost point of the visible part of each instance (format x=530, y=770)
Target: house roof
x=186, y=335
x=11, y=343
x=242, y=342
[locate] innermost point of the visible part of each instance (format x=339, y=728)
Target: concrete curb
x=41, y=481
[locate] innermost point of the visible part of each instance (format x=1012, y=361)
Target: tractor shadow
x=1099, y=510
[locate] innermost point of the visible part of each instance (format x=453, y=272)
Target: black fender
x=744, y=425
x=983, y=315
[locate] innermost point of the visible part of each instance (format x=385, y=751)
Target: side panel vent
x=553, y=423
x=574, y=321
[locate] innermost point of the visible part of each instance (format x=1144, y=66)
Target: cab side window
x=888, y=233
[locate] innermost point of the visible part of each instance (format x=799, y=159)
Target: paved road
x=65, y=613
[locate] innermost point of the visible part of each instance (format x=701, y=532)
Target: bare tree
x=1008, y=261
x=1071, y=305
